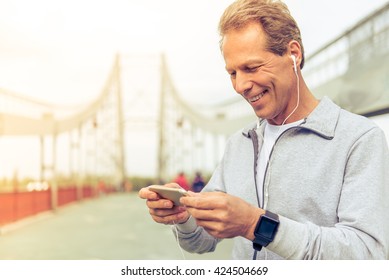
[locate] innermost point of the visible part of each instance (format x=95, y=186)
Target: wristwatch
x=265, y=230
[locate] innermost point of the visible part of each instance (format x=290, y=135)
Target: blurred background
x=101, y=98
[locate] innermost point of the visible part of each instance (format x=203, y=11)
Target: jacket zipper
x=254, y=139
x=265, y=192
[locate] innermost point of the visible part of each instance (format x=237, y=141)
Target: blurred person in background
x=182, y=181
x=198, y=183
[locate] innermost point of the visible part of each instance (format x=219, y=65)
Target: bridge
x=139, y=125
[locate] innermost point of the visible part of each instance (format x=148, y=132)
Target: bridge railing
x=366, y=39
x=352, y=69
x=17, y=205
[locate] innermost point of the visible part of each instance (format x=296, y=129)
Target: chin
x=259, y=113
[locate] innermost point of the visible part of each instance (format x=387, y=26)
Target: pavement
x=112, y=227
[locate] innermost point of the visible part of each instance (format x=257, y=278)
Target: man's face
x=266, y=80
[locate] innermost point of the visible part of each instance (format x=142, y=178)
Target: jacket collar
x=322, y=120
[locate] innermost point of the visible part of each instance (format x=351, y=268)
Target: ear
x=294, y=49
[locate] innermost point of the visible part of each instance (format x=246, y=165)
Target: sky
x=62, y=51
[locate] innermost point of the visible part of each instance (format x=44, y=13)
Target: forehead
x=245, y=43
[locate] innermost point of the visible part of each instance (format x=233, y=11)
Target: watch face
x=267, y=228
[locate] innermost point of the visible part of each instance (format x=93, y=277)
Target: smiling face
x=266, y=80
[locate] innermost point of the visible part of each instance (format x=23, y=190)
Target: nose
x=242, y=83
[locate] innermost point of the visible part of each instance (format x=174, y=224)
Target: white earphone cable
x=263, y=138
x=298, y=98
x=178, y=242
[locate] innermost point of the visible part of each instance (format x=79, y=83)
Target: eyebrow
x=246, y=63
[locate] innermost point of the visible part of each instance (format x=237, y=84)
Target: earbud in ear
x=294, y=63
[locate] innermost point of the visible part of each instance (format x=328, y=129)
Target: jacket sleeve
x=362, y=229
x=195, y=239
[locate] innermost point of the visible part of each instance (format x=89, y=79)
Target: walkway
x=114, y=227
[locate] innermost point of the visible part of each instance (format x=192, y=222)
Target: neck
x=305, y=104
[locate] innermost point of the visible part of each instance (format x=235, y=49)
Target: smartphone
x=172, y=194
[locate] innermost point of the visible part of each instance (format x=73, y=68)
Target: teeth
x=257, y=97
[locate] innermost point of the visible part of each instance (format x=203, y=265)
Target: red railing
x=18, y=205
x=66, y=195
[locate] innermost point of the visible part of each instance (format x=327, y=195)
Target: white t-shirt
x=271, y=133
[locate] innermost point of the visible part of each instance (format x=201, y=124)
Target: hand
x=163, y=210
x=223, y=215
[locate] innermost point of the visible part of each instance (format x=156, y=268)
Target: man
x=308, y=181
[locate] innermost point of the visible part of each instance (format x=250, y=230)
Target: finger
x=160, y=204
x=167, y=212
x=190, y=193
x=162, y=213
x=206, y=215
x=168, y=216
x=205, y=200
x=145, y=193
x=213, y=228
x=215, y=232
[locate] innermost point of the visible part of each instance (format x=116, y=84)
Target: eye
x=252, y=69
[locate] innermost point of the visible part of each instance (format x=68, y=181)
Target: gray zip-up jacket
x=327, y=179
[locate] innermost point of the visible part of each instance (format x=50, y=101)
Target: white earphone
x=294, y=63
